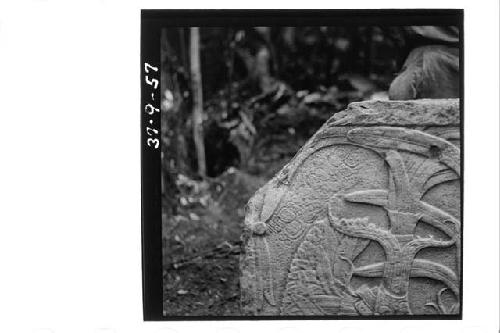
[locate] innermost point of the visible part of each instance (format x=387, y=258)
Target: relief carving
x=351, y=226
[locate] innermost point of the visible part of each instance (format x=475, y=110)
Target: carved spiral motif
x=287, y=214
x=352, y=158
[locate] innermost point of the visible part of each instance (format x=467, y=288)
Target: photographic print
x=302, y=164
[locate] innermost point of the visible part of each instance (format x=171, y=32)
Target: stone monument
x=364, y=220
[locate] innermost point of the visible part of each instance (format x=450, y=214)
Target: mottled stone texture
x=364, y=220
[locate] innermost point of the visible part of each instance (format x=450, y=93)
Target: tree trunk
x=197, y=100
x=262, y=71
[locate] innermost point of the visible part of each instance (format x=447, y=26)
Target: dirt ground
x=202, y=246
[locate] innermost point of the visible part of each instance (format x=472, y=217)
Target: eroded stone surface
x=423, y=112
x=364, y=220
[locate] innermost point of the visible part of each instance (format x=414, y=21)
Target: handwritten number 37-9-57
x=152, y=133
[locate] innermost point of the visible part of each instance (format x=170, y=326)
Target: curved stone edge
x=423, y=112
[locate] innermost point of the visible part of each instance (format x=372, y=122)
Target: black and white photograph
x=310, y=170
x=243, y=167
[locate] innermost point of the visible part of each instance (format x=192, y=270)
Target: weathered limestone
x=364, y=220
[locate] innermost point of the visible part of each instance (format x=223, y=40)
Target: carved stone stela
x=364, y=220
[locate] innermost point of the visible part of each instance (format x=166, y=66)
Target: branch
x=373, y=197
x=432, y=270
x=359, y=227
x=439, y=219
x=417, y=244
x=420, y=268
